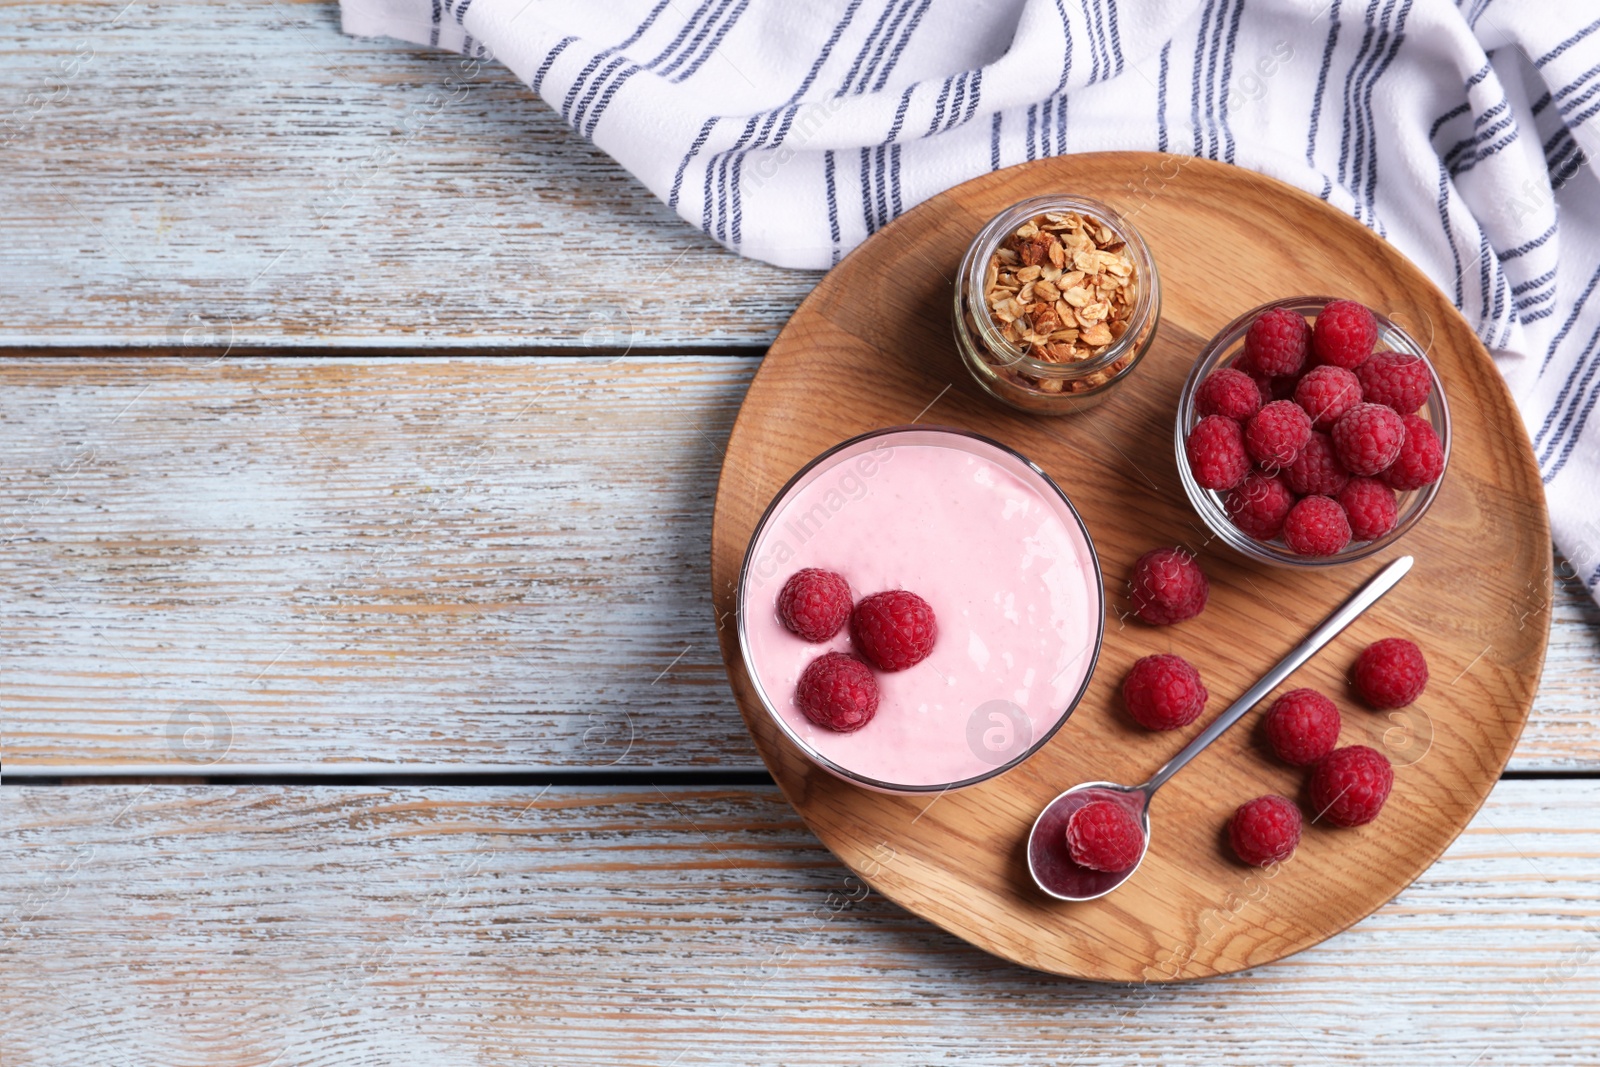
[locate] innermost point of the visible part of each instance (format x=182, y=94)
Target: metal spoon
x=1048, y=861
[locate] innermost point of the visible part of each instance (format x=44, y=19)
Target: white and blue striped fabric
x=790, y=130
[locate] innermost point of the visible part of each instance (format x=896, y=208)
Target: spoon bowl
x=1049, y=862
x=1053, y=869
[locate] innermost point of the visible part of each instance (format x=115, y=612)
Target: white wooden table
x=360, y=701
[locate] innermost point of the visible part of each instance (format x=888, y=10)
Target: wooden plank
x=320, y=926
x=298, y=563
x=242, y=172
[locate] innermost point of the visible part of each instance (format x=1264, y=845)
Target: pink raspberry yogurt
x=998, y=552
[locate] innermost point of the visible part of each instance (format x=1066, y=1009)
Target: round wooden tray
x=872, y=347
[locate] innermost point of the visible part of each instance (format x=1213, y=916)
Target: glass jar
x=968, y=729
x=1005, y=368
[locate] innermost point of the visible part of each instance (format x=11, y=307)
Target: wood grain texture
x=871, y=347
x=433, y=563
x=424, y=561
x=243, y=172
x=190, y=926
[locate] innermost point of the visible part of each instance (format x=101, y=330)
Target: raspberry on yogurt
x=814, y=604
x=894, y=629
x=838, y=692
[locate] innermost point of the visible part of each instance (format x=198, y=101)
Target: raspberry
x=1104, y=836
x=1344, y=335
x=1168, y=586
x=1370, y=506
x=1264, y=383
x=1302, y=726
x=1164, y=692
x=1316, y=526
x=814, y=604
x=1265, y=830
x=894, y=629
x=1397, y=379
x=1390, y=673
x=1318, y=471
x=1368, y=438
x=837, y=691
x=1327, y=393
x=1349, y=786
x=1259, y=504
x=1216, y=453
x=1276, y=435
x=1421, y=458
x=1276, y=343
x=1227, y=392
x=1280, y=388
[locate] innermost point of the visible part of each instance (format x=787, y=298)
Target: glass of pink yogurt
x=998, y=551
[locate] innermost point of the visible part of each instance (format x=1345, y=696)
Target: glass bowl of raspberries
x=1312, y=431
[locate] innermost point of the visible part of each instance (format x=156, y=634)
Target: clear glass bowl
x=1006, y=371
x=1223, y=349
x=769, y=561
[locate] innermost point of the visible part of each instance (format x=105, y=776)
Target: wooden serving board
x=872, y=347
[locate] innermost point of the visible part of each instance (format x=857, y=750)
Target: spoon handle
x=1343, y=616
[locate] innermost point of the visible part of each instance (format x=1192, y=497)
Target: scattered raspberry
x=838, y=692
x=1276, y=435
x=1276, y=343
x=1259, y=505
x=1302, y=727
x=1216, y=453
x=1348, y=787
x=1228, y=392
x=1168, y=586
x=1104, y=836
x=1265, y=830
x=1164, y=692
x=1390, y=673
x=814, y=604
x=1318, y=471
x=1370, y=506
x=893, y=629
x=1421, y=458
x=1368, y=438
x=1344, y=335
x=1326, y=393
x=1397, y=379
x=1317, y=526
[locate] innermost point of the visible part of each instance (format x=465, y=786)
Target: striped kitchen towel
x=789, y=130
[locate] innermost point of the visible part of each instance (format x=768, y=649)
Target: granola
x=1062, y=287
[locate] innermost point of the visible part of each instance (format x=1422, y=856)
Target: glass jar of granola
x=1056, y=301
